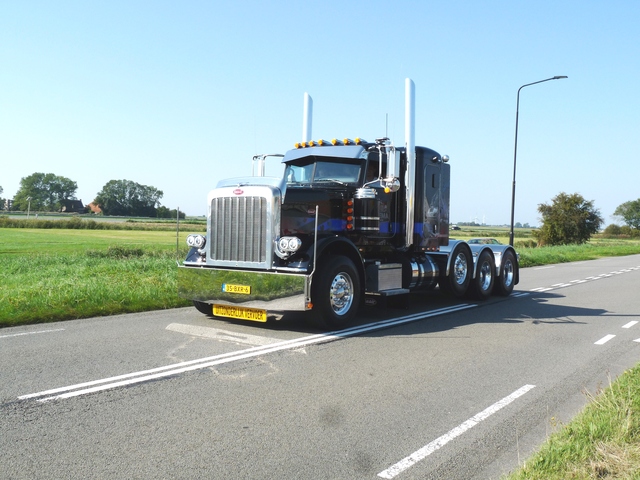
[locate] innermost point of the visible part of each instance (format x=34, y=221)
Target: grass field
x=58, y=274
x=53, y=242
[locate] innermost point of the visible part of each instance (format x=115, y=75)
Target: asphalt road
x=439, y=389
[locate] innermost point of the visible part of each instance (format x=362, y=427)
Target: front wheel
x=203, y=307
x=507, y=278
x=335, y=291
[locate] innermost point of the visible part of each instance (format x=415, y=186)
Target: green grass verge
x=597, y=248
x=601, y=442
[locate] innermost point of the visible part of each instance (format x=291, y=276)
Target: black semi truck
x=349, y=221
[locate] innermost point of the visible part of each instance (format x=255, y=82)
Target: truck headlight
x=196, y=241
x=294, y=244
x=287, y=246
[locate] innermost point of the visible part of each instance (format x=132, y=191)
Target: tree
x=1, y=199
x=45, y=191
x=630, y=213
x=165, y=212
x=124, y=197
x=570, y=219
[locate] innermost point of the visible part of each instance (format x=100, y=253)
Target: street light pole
x=515, y=151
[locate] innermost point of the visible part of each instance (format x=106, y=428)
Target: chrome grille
x=238, y=229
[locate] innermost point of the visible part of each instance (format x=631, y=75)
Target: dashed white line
x=576, y=282
x=630, y=324
x=440, y=442
x=604, y=339
x=31, y=333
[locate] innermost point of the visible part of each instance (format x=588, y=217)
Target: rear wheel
x=507, y=278
x=335, y=291
x=203, y=307
x=482, y=285
x=459, y=277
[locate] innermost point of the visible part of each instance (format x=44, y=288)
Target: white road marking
x=182, y=367
x=575, y=282
x=604, y=339
x=630, y=324
x=544, y=268
x=31, y=333
x=440, y=442
x=637, y=340
x=219, y=334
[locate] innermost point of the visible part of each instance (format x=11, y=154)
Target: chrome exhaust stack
x=307, y=116
x=410, y=149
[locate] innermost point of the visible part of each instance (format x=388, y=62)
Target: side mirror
x=391, y=182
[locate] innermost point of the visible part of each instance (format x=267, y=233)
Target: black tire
x=335, y=291
x=459, y=278
x=203, y=307
x=482, y=285
x=508, y=272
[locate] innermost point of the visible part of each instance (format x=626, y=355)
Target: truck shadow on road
x=537, y=308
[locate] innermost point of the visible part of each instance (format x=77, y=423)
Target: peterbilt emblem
x=238, y=191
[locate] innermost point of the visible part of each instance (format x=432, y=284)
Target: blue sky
x=179, y=95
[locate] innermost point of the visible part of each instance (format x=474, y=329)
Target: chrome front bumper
x=271, y=291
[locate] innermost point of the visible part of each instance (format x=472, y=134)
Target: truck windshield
x=322, y=172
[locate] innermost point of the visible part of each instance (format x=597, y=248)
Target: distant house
x=72, y=206
x=94, y=208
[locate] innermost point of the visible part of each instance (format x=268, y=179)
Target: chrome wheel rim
x=507, y=273
x=341, y=294
x=486, y=276
x=460, y=268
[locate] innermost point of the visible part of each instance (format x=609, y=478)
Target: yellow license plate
x=242, y=289
x=242, y=313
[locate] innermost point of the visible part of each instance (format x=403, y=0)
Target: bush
x=77, y=223
x=570, y=219
x=525, y=244
x=616, y=231
x=612, y=230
